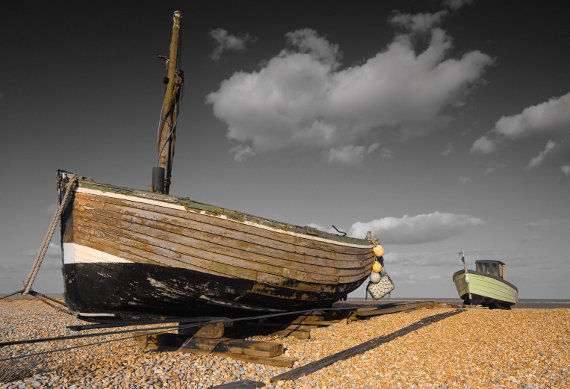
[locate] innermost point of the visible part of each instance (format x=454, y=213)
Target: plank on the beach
x=233, y=346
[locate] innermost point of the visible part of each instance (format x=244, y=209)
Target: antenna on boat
x=174, y=81
x=466, y=275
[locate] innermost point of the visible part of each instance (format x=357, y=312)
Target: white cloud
x=354, y=155
x=456, y=4
x=540, y=225
x=308, y=41
x=386, y=153
x=423, y=258
x=301, y=98
x=491, y=168
x=242, y=153
x=483, y=145
x=420, y=23
x=548, y=150
x=565, y=169
x=448, y=149
x=225, y=42
x=464, y=180
x=550, y=117
x=421, y=228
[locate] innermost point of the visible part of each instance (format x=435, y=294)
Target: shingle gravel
x=521, y=348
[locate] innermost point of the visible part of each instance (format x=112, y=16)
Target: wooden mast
x=167, y=131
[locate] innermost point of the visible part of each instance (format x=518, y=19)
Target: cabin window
x=490, y=268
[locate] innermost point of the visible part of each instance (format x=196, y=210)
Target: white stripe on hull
x=76, y=253
x=182, y=208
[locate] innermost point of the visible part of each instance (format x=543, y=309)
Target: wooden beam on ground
x=321, y=319
x=152, y=341
x=232, y=346
x=211, y=331
x=359, y=349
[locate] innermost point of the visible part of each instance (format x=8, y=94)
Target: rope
x=159, y=330
x=43, y=296
x=43, y=249
x=163, y=329
x=10, y=294
x=67, y=348
x=171, y=114
x=47, y=300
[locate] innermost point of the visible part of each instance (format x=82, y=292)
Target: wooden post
x=166, y=135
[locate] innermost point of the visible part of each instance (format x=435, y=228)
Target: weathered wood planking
x=186, y=205
x=116, y=230
x=191, y=235
x=296, y=252
x=192, y=255
x=204, y=221
x=173, y=243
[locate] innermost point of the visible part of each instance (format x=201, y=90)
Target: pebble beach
x=478, y=348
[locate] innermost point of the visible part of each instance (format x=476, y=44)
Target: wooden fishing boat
x=128, y=250
x=486, y=285
x=134, y=253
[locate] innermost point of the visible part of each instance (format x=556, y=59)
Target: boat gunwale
x=346, y=257
x=469, y=271
x=235, y=216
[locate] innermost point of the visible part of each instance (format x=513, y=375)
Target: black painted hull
x=134, y=290
x=486, y=301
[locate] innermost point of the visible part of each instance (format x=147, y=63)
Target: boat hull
x=485, y=289
x=134, y=253
x=139, y=290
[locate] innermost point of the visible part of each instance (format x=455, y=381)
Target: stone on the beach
x=521, y=348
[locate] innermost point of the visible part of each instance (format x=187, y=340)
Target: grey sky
x=438, y=127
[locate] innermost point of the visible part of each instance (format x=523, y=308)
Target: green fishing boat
x=486, y=285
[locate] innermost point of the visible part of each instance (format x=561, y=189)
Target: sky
x=437, y=125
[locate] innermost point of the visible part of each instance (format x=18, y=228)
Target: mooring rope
x=166, y=329
x=163, y=329
x=43, y=249
x=10, y=294
x=49, y=300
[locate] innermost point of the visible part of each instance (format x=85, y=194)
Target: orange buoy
x=378, y=250
x=377, y=267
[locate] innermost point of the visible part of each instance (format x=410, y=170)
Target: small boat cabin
x=494, y=268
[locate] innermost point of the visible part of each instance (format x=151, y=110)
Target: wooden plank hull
x=134, y=253
x=485, y=289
